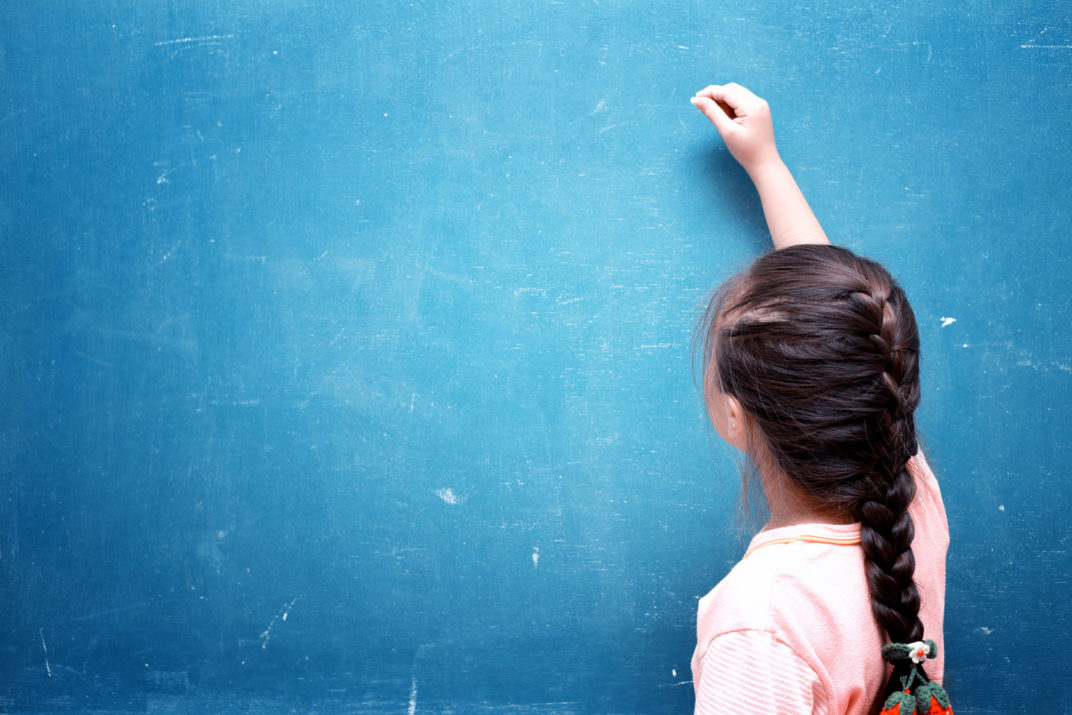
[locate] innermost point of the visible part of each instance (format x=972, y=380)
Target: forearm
x=789, y=218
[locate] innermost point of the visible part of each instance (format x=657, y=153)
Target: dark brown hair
x=821, y=349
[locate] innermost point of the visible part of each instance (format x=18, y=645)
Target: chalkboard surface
x=346, y=346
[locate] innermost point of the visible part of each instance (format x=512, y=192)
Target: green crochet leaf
x=939, y=694
x=926, y=692
x=906, y=701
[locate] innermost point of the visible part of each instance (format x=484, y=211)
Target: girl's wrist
x=765, y=167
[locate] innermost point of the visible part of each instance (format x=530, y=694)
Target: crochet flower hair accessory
x=918, y=695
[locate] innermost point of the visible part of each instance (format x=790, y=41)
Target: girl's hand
x=744, y=122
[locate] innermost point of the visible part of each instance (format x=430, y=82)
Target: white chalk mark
x=447, y=495
x=1001, y=507
x=267, y=634
x=187, y=40
x=169, y=254
x=535, y=557
x=985, y=631
x=1046, y=47
x=48, y=669
x=108, y=364
x=673, y=672
x=412, y=401
x=412, y=695
x=13, y=114
x=946, y=322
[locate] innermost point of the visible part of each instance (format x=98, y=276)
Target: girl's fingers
x=733, y=95
x=718, y=116
x=714, y=92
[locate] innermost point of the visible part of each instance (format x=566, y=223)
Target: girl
x=811, y=369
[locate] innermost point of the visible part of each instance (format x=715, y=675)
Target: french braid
x=821, y=348
x=886, y=526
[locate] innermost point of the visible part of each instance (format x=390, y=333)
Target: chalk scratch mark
x=13, y=115
x=282, y=615
x=412, y=695
x=92, y=359
x=188, y=40
x=946, y=322
x=120, y=609
x=168, y=254
x=1043, y=36
x=48, y=669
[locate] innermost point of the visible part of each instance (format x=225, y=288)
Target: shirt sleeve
x=752, y=673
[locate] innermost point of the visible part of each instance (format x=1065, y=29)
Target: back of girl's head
x=820, y=348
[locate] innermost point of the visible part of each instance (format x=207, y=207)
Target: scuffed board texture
x=346, y=346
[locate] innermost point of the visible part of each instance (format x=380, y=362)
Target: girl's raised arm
x=744, y=122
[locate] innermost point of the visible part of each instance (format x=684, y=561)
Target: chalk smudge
x=448, y=496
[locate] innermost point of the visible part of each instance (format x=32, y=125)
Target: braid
x=886, y=527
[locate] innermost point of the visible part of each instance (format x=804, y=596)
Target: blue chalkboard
x=346, y=346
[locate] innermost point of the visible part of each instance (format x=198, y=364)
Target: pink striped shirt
x=790, y=629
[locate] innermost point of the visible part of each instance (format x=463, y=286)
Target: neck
x=789, y=505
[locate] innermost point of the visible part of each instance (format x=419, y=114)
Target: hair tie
x=917, y=652
x=926, y=698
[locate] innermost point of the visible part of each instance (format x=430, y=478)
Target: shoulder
x=928, y=515
x=929, y=547
x=928, y=502
x=810, y=599
x=786, y=585
x=742, y=600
